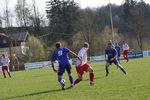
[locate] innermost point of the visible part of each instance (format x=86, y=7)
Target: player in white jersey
x=82, y=67
x=5, y=65
x=125, y=48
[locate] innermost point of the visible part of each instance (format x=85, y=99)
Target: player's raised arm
x=74, y=54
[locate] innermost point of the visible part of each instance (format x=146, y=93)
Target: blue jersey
x=61, y=55
x=118, y=48
x=111, y=52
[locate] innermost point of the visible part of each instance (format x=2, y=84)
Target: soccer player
x=82, y=66
x=5, y=65
x=118, y=48
x=111, y=57
x=61, y=55
x=125, y=48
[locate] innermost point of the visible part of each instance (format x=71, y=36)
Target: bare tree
x=36, y=18
x=6, y=16
x=87, y=28
x=22, y=13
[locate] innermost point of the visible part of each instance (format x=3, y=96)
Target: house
x=14, y=40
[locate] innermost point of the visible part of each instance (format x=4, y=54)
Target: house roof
x=3, y=35
x=20, y=36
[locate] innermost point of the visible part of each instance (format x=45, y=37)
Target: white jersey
x=5, y=61
x=83, y=54
x=125, y=46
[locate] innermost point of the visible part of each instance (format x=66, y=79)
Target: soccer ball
x=63, y=81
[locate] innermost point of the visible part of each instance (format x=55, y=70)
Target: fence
x=46, y=64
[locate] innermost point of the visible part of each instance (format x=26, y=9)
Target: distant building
x=14, y=40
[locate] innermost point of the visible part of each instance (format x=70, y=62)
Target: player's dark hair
x=58, y=45
x=86, y=45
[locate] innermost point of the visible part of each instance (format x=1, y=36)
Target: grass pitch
x=42, y=84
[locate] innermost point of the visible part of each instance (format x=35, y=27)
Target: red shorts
x=4, y=68
x=125, y=52
x=82, y=68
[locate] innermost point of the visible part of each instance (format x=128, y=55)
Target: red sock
x=77, y=81
x=91, y=77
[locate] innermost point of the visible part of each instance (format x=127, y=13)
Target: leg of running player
x=78, y=79
x=106, y=68
x=4, y=73
x=122, y=69
x=7, y=69
x=68, y=69
x=90, y=70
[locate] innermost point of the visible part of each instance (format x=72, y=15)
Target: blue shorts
x=115, y=61
x=62, y=69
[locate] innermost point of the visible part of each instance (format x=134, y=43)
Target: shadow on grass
x=43, y=92
x=95, y=78
x=37, y=93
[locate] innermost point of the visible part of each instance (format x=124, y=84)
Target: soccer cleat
x=91, y=84
x=127, y=61
x=63, y=85
x=72, y=85
x=107, y=74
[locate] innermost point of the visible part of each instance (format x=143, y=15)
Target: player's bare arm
x=53, y=67
x=113, y=58
x=105, y=57
x=75, y=55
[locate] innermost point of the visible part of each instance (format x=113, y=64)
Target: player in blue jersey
x=118, y=49
x=111, y=57
x=61, y=55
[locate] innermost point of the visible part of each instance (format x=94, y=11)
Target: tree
x=37, y=19
x=137, y=21
x=87, y=27
x=6, y=14
x=36, y=51
x=62, y=14
x=22, y=13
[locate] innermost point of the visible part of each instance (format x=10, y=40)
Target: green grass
x=42, y=84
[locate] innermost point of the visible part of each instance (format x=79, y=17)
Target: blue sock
x=71, y=79
x=60, y=79
x=118, y=60
x=123, y=70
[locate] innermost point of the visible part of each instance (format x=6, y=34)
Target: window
x=4, y=41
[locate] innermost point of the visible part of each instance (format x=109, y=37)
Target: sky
x=82, y=3
x=42, y=3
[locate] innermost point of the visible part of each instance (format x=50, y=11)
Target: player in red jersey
x=82, y=66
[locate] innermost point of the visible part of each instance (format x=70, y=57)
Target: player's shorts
x=125, y=52
x=118, y=55
x=62, y=69
x=5, y=68
x=82, y=68
x=115, y=61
